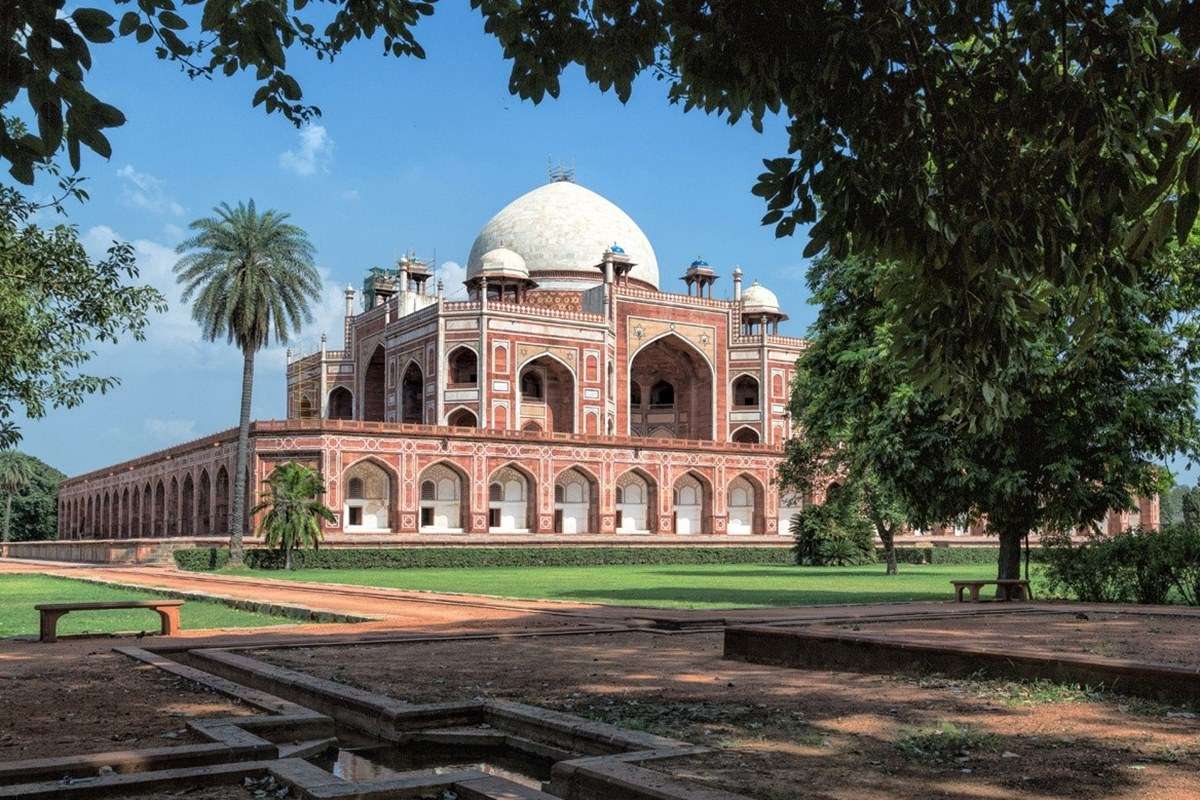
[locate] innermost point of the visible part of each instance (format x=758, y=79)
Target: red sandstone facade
x=567, y=395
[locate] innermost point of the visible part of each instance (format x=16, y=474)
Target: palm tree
x=294, y=509
x=15, y=477
x=251, y=274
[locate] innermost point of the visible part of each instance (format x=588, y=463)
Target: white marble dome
x=760, y=299
x=502, y=263
x=562, y=227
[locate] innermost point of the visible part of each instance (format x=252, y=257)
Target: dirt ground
x=783, y=733
x=1156, y=638
x=80, y=697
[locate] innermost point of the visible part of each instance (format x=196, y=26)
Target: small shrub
x=826, y=538
x=944, y=742
x=1141, y=566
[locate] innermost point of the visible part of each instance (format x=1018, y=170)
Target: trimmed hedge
x=212, y=558
x=204, y=559
x=955, y=555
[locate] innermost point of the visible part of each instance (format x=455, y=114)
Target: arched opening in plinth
x=744, y=503
x=745, y=435
x=367, y=505
x=204, y=505
x=160, y=509
x=442, y=499
x=173, y=508
x=576, y=502
x=693, y=504
x=221, y=502
x=135, y=513
x=341, y=404
x=374, y=387
x=126, y=531
x=462, y=418
x=680, y=400
x=511, y=501
x=148, y=512
x=547, y=394
x=637, y=502
x=187, y=514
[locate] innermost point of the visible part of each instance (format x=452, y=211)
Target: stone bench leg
x=170, y=620
x=49, y=626
x=975, y=592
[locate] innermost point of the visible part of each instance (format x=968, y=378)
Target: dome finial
x=560, y=173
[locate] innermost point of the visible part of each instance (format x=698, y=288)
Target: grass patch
x=944, y=742
x=667, y=586
x=20, y=593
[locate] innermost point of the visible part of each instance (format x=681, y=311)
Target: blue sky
x=408, y=155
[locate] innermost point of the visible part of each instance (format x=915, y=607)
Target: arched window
x=620, y=495
x=531, y=386
x=464, y=366
x=341, y=403
x=495, y=493
x=559, y=494
x=412, y=392
x=745, y=391
x=532, y=427
x=428, y=491
x=355, y=490
x=662, y=394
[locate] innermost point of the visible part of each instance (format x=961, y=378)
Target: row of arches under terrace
x=671, y=389
x=508, y=502
x=192, y=504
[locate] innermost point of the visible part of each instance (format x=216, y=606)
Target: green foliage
x=1100, y=98
x=1086, y=425
x=294, y=510
x=1133, y=566
x=55, y=302
x=944, y=742
x=34, y=503
x=248, y=275
x=204, y=559
x=986, y=235
x=834, y=533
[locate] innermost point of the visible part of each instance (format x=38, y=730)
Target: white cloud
x=171, y=430
x=313, y=152
x=144, y=191
x=452, y=274
x=350, y=195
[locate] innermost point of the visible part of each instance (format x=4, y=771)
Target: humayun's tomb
x=568, y=394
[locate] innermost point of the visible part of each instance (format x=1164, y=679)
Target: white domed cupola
x=760, y=307
x=505, y=273
x=562, y=230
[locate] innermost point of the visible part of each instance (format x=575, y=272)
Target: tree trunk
x=288, y=560
x=7, y=516
x=1009, y=567
x=887, y=536
x=238, y=512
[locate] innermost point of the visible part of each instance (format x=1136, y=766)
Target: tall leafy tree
x=250, y=276
x=35, y=509
x=56, y=303
x=15, y=478
x=1087, y=426
x=945, y=137
x=847, y=360
x=294, y=510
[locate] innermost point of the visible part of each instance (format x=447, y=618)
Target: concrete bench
x=168, y=611
x=1010, y=589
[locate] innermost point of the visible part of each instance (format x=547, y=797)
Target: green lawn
x=20, y=593
x=669, y=586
